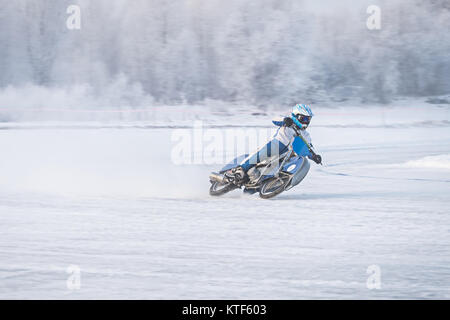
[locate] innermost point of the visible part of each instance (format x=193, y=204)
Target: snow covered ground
x=106, y=197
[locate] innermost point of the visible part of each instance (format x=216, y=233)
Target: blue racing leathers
x=277, y=146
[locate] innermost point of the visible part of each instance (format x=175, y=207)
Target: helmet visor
x=303, y=119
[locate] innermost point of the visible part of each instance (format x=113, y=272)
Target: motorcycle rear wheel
x=219, y=189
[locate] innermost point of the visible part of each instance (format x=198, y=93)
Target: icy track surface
x=111, y=202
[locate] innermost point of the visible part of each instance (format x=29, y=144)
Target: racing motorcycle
x=270, y=177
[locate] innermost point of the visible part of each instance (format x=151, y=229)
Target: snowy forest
x=260, y=52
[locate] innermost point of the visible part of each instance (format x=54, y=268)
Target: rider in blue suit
x=289, y=128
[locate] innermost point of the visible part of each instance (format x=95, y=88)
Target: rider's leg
x=273, y=148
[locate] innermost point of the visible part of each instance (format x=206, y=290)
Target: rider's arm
x=313, y=156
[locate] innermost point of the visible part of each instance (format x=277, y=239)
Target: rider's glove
x=316, y=158
x=288, y=122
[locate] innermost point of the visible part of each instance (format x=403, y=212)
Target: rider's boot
x=237, y=175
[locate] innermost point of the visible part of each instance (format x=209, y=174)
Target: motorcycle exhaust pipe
x=217, y=177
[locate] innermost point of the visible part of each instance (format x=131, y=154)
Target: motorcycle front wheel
x=273, y=187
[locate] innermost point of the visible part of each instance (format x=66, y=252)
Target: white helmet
x=301, y=115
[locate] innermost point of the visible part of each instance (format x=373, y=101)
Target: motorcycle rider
x=289, y=128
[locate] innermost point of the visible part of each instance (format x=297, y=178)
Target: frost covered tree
x=265, y=52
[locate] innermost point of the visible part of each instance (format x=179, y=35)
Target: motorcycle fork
x=288, y=156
